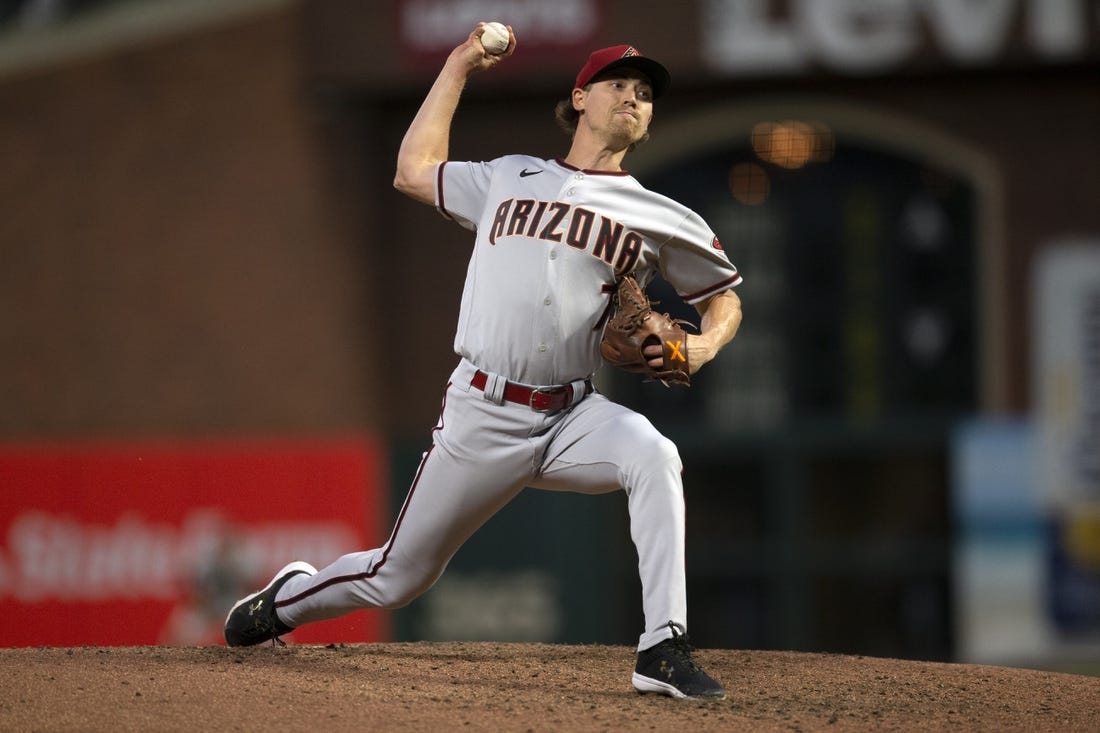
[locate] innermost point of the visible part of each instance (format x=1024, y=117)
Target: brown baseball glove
x=635, y=325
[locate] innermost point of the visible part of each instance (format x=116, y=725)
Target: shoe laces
x=681, y=646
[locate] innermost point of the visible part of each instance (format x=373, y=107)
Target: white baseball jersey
x=551, y=242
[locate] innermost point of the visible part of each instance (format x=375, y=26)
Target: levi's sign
x=877, y=36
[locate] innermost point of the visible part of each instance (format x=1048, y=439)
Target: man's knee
x=399, y=589
x=648, y=450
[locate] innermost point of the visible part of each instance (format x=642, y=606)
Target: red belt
x=539, y=399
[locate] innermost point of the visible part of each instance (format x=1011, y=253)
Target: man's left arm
x=721, y=318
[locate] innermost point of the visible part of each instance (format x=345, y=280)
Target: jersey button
x=543, y=347
x=547, y=301
x=553, y=255
x=570, y=192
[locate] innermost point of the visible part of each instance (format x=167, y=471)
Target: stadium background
x=221, y=323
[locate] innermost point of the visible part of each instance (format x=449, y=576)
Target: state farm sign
x=151, y=543
x=878, y=36
x=58, y=556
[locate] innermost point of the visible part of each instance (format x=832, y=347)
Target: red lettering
x=580, y=228
x=607, y=240
x=611, y=241
x=497, y=228
x=536, y=219
x=519, y=216
x=628, y=256
x=558, y=210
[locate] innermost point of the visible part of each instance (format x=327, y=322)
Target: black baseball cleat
x=668, y=669
x=253, y=620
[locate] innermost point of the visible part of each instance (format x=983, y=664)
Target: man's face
x=618, y=106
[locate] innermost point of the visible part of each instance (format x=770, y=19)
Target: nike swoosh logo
x=524, y=173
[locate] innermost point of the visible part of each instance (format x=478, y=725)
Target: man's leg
x=448, y=501
x=480, y=459
x=604, y=446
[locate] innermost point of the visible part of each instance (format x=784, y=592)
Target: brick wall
x=176, y=257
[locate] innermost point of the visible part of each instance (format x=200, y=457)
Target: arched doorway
x=816, y=447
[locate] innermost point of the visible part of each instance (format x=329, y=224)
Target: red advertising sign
x=152, y=542
x=428, y=30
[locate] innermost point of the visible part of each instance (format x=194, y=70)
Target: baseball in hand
x=494, y=37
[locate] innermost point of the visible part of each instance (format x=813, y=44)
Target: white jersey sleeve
x=693, y=262
x=461, y=189
x=689, y=254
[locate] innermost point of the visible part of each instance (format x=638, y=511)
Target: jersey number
x=608, y=289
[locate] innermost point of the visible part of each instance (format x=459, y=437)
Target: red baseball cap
x=617, y=57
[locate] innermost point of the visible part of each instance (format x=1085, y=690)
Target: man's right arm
x=427, y=140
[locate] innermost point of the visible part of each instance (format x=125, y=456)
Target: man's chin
x=630, y=138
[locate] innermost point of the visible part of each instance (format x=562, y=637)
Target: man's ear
x=578, y=99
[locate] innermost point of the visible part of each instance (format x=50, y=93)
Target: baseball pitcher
x=551, y=292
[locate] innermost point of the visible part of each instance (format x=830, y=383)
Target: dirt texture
x=515, y=687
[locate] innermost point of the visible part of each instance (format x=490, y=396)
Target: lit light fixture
x=749, y=183
x=792, y=144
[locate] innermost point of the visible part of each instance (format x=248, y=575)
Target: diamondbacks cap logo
x=623, y=56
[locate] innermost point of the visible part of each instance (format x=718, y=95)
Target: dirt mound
x=515, y=687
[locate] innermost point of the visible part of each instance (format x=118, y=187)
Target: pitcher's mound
x=516, y=687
